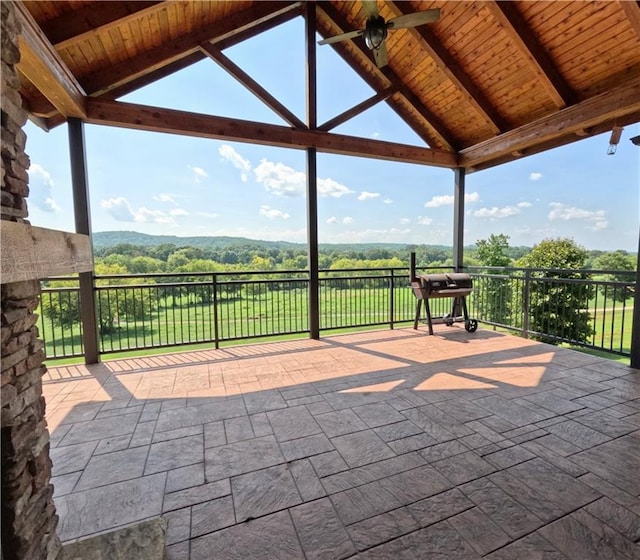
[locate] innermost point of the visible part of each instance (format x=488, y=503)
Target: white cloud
x=347, y=220
x=332, y=220
x=375, y=135
x=198, y=174
x=596, y=219
x=365, y=195
x=329, y=187
x=40, y=188
x=524, y=204
x=447, y=200
x=282, y=180
x=388, y=201
x=208, y=214
x=178, y=212
x=234, y=158
x=120, y=209
x=495, y=212
x=535, y=176
x=164, y=198
x=424, y=221
x=273, y=213
x=405, y=221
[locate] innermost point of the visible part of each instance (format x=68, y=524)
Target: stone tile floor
x=386, y=444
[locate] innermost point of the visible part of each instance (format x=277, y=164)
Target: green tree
x=493, y=251
x=558, y=306
x=494, y=295
x=622, y=265
x=61, y=306
x=118, y=304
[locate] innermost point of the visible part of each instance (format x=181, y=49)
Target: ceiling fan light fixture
x=375, y=32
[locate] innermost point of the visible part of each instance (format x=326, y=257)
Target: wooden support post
x=312, y=174
x=458, y=219
x=81, y=209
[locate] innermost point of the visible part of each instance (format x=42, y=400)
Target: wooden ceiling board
x=619, y=45
x=405, y=109
x=586, y=38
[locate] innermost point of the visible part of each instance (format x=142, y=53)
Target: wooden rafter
x=357, y=109
x=77, y=25
x=248, y=82
x=43, y=67
x=632, y=11
x=443, y=135
x=617, y=103
x=156, y=119
x=147, y=62
x=450, y=67
x=507, y=15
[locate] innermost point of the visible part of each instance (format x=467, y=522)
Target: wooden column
x=458, y=219
x=312, y=174
x=81, y=210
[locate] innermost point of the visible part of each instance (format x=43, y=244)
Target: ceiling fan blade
x=370, y=7
x=341, y=37
x=413, y=20
x=380, y=56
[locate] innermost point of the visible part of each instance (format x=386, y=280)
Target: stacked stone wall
x=29, y=519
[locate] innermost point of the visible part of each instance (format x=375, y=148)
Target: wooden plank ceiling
x=487, y=83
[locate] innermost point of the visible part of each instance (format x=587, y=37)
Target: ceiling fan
x=375, y=30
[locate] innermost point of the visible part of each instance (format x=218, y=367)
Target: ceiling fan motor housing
x=375, y=32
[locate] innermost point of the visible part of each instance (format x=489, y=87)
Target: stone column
x=29, y=518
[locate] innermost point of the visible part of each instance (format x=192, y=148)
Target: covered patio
x=386, y=444
x=372, y=445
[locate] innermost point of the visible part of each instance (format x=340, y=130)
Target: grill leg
x=418, y=306
x=463, y=301
x=427, y=308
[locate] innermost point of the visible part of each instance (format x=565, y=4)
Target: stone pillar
x=29, y=518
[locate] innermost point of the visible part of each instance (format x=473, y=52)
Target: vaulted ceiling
x=488, y=82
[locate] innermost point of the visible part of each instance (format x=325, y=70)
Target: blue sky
x=168, y=184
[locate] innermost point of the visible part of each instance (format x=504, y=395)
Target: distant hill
x=103, y=239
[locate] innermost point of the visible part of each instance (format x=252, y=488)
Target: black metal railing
x=148, y=311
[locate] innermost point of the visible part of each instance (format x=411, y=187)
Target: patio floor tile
x=265, y=491
x=273, y=536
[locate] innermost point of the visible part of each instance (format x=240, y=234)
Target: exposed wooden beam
x=142, y=117
x=43, y=67
x=357, y=109
x=84, y=22
x=311, y=68
x=253, y=18
x=248, y=82
x=631, y=9
x=618, y=103
x=564, y=140
x=33, y=253
x=450, y=67
x=443, y=135
x=516, y=28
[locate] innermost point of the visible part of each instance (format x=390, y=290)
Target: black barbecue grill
x=455, y=285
